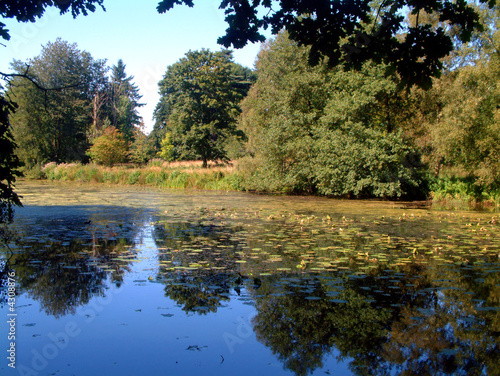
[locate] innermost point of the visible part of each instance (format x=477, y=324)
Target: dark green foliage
x=337, y=30
x=466, y=134
x=68, y=102
x=9, y=162
x=124, y=101
x=326, y=131
x=199, y=104
x=52, y=125
x=141, y=149
x=464, y=189
x=363, y=162
x=23, y=11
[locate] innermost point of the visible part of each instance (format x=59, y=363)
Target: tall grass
x=180, y=175
x=447, y=190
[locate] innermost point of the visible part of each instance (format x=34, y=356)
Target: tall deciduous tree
x=316, y=129
x=199, y=104
x=23, y=11
x=457, y=122
x=53, y=125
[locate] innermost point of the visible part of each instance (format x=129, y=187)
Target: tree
x=337, y=30
x=23, y=11
x=199, y=104
x=322, y=130
x=141, y=149
x=124, y=101
x=456, y=122
x=9, y=162
x=54, y=125
x=167, y=149
x=110, y=148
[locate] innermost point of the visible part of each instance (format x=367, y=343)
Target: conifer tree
x=125, y=99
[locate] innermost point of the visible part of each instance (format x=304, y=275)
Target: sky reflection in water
x=123, y=281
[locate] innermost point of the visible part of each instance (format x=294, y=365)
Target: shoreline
x=226, y=178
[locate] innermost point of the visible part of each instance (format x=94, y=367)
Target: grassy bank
x=181, y=175
x=447, y=192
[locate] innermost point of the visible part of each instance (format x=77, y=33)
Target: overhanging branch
x=8, y=76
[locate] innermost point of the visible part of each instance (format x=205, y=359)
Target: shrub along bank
x=190, y=175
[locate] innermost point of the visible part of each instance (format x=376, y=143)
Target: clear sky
x=132, y=30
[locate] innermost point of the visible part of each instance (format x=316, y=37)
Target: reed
x=179, y=175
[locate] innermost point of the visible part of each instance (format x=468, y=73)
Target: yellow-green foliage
x=167, y=148
x=184, y=175
x=110, y=148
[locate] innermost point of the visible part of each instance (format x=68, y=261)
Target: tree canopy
x=124, y=101
x=323, y=130
x=23, y=11
x=52, y=126
x=199, y=97
x=60, y=125
x=31, y=10
x=356, y=31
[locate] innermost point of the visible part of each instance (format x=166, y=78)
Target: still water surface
x=135, y=281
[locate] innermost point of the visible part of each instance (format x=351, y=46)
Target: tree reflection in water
x=417, y=317
x=65, y=262
x=407, y=332
x=362, y=294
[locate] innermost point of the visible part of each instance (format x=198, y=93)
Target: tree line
x=61, y=125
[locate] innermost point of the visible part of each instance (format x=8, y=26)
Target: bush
x=363, y=162
x=464, y=189
x=133, y=178
x=151, y=178
x=109, y=149
x=35, y=173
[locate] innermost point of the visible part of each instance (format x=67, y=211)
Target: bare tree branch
x=7, y=76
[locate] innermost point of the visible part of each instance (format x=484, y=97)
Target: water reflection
x=397, y=293
x=384, y=305
x=63, y=262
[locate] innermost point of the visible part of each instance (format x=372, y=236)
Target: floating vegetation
x=370, y=277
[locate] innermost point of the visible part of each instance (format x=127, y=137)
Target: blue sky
x=134, y=31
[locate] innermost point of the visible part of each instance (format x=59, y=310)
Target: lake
x=138, y=281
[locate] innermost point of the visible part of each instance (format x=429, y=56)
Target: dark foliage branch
x=9, y=162
x=8, y=76
x=337, y=30
x=31, y=10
